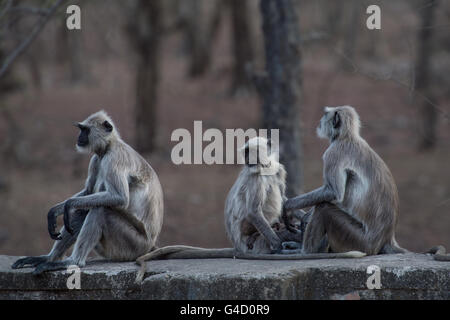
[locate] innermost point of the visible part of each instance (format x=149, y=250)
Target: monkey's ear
x=336, y=120
x=107, y=126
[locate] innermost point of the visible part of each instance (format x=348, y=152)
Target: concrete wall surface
x=404, y=276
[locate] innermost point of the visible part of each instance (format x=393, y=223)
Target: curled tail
x=181, y=252
x=439, y=253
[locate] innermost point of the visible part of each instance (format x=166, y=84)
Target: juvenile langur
x=357, y=207
x=119, y=213
x=252, y=214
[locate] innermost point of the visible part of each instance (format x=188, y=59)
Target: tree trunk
x=9, y=144
x=200, y=30
x=427, y=114
x=242, y=44
x=70, y=51
x=281, y=89
x=147, y=79
x=144, y=33
x=351, y=35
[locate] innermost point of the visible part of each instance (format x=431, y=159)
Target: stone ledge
x=407, y=276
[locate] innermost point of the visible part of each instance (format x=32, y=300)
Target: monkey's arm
x=116, y=195
x=322, y=194
x=333, y=190
x=256, y=217
x=58, y=209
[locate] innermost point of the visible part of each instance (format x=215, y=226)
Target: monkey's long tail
x=181, y=252
x=188, y=252
x=301, y=256
x=439, y=253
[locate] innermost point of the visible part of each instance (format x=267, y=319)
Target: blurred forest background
x=158, y=65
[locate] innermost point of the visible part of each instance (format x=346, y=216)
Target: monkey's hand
x=51, y=220
x=287, y=220
x=251, y=240
x=276, y=247
x=67, y=207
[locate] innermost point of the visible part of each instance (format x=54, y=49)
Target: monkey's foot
x=52, y=266
x=291, y=245
x=29, y=262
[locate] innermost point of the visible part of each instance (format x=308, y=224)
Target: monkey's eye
x=108, y=126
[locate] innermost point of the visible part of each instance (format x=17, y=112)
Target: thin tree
x=427, y=113
x=144, y=29
x=44, y=16
x=280, y=87
x=351, y=33
x=242, y=44
x=200, y=27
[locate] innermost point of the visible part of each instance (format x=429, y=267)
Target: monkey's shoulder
x=126, y=160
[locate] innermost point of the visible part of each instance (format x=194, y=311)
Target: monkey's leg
x=344, y=232
x=122, y=240
x=277, y=227
x=260, y=223
x=88, y=237
x=59, y=247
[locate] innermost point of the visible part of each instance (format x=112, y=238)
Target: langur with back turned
x=357, y=206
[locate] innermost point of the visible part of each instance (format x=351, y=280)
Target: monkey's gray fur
x=119, y=213
x=357, y=207
x=254, y=204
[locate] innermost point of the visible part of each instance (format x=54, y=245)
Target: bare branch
x=28, y=9
x=5, y=9
x=25, y=43
x=390, y=77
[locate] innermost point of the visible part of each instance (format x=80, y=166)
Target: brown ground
x=195, y=194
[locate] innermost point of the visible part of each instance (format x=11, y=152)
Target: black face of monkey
x=247, y=158
x=83, y=138
x=265, y=152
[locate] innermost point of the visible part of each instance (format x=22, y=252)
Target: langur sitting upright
x=119, y=212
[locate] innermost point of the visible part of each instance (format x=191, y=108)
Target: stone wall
x=407, y=276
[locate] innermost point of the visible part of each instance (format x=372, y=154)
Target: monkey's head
x=338, y=123
x=257, y=152
x=96, y=133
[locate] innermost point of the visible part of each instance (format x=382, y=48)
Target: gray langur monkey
x=252, y=216
x=357, y=207
x=119, y=213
